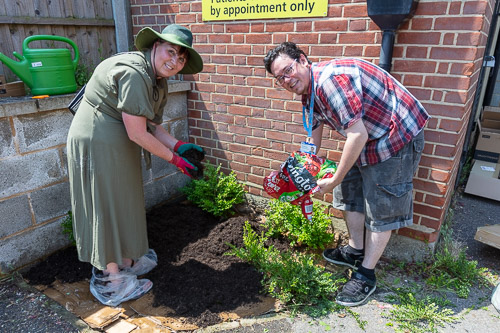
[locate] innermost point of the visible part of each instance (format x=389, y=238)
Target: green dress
x=104, y=165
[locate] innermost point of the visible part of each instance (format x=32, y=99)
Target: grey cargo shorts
x=384, y=191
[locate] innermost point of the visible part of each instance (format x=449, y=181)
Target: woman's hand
x=183, y=165
x=181, y=147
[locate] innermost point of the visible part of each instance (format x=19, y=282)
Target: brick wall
x=249, y=126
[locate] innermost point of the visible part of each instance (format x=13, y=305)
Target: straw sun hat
x=177, y=35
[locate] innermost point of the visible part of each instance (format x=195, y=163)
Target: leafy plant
x=83, y=74
x=418, y=315
x=67, y=227
x=455, y=272
x=287, y=219
x=216, y=193
x=292, y=278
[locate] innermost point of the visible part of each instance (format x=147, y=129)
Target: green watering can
x=45, y=71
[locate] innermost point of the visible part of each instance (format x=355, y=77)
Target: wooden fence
x=88, y=23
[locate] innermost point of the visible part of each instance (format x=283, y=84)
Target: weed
x=294, y=279
x=455, y=272
x=287, y=219
x=67, y=227
x=418, y=315
x=216, y=193
x=82, y=74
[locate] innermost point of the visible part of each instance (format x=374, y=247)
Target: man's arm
x=357, y=136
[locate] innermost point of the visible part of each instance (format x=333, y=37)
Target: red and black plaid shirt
x=351, y=89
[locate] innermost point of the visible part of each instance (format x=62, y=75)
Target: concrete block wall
x=249, y=126
x=34, y=189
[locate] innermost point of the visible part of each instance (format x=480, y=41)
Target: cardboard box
x=488, y=142
x=12, y=89
x=489, y=234
x=483, y=180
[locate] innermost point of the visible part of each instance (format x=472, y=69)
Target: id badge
x=307, y=147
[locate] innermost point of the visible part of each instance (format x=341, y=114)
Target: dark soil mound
x=193, y=276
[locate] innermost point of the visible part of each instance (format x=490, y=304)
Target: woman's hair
x=288, y=48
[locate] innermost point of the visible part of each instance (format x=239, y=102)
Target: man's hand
x=326, y=185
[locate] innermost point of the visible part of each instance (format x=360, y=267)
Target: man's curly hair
x=288, y=48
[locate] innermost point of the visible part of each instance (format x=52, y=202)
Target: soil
x=193, y=277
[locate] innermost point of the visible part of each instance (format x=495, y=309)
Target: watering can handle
x=57, y=38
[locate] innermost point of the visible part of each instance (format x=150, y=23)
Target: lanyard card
x=307, y=147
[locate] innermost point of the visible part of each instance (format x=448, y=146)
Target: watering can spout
x=20, y=68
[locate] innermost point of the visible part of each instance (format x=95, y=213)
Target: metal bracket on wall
x=489, y=61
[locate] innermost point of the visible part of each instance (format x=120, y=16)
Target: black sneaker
x=340, y=256
x=356, y=290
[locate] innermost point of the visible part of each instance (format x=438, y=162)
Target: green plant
x=287, y=219
x=83, y=74
x=216, y=193
x=67, y=227
x=292, y=278
x=455, y=272
x=418, y=315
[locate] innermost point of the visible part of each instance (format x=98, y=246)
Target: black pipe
x=386, y=49
x=388, y=15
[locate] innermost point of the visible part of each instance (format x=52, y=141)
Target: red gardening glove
x=181, y=147
x=183, y=165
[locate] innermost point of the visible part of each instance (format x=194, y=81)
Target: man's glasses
x=286, y=73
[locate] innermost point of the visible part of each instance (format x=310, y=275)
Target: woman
x=119, y=116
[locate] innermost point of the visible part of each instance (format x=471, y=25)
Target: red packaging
x=296, y=180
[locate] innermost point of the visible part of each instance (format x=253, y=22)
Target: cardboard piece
x=488, y=142
x=483, y=180
x=103, y=317
x=120, y=326
x=489, y=235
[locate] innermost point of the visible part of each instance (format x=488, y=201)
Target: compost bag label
x=301, y=177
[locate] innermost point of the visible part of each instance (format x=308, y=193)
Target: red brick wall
x=247, y=125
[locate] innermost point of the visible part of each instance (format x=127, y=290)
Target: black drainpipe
x=388, y=15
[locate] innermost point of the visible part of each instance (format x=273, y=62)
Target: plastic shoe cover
x=144, y=264
x=114, y=289
x=495, y=297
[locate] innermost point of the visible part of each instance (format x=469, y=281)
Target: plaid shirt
x=351, y=89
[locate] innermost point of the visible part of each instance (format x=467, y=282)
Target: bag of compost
x=295, y=182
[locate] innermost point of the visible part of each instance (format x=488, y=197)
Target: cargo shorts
x=383, y=191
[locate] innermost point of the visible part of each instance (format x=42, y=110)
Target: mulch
x=194, y=277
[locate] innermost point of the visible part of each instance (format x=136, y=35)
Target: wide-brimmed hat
x=177, y=35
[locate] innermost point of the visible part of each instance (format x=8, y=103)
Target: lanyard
x=308, y=122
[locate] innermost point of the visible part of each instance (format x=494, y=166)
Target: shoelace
x=353, y=286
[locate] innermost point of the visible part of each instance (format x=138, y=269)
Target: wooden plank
x=56, y=21
x=489, y=235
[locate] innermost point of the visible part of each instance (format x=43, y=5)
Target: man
x=383, y=126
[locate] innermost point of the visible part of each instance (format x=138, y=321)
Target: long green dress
x=104, y=165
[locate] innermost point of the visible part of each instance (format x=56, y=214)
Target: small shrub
x=216, y=193
x=67, y=227
x=292, y=278
x=287, y=219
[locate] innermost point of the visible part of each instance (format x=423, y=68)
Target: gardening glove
x=181, y=147
x=183, y=165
